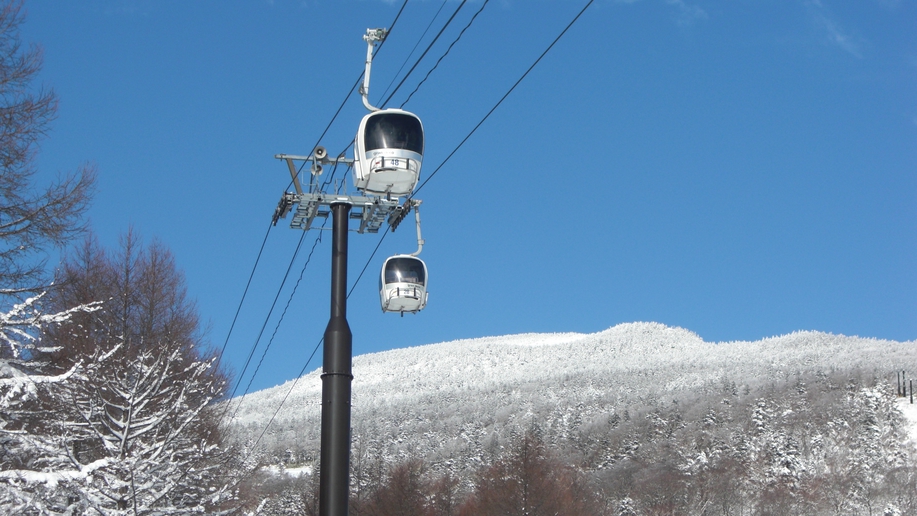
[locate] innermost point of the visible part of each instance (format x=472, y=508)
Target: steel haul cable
x=333, y=118
x=499, y=102
x=267, y=318
x=244, y=293
x=445, y=53
x=254, y=347
x=419, y=59
x=513, y=87
x=415, y=47
x=280, y=320
x=282, y=315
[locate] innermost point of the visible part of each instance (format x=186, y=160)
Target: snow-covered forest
x=640, y=419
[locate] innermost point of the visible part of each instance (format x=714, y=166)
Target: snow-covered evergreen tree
x=143, y=409
x=655, y=418
x=36, y=474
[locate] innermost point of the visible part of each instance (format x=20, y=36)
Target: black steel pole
x=334, y=473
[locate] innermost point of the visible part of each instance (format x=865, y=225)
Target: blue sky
x=740, y=169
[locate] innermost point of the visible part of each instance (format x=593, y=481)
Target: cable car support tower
x=388, y=152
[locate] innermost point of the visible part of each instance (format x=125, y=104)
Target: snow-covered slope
x=909, y=410
x=465, y=397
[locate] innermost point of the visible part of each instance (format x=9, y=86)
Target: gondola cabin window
x=388, y=153
x=394, y=131
x=403, y=284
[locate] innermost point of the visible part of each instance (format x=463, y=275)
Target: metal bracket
x=374, y=35
x=286, y=202
x=372, y=211
x=316, y=163
x=371, y=37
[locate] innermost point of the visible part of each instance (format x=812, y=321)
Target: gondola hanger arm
x=371, y=37
x=420, y=241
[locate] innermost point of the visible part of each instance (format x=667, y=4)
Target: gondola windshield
x=404, y=270
x=393, y=131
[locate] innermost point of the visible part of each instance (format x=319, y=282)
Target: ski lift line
x=419, y=59
x=282, y=315
x=282, y=402
x=276, y=411
x=356, y=282
x=354, y=87
x=368, y=261
x=329, y=181
x=267, y=318
x=435, y=16
x=235, y=318
x=513, y=87
x=445, y=53
x=312, y=355
x=315, y=350
x=258, y=258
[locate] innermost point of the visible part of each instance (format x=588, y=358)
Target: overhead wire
x=268, y=317
x=318, y=239
x=508, y=92
x=311, y=355
x=403, y=64
x=267, y=348
x=445, y=53
x=419, y=59
x=284, y=400
x=355, y=85
x=280, y=319
x=368, y=261
x=465, y=139
x=244, y=293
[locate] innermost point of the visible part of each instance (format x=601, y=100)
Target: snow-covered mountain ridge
x=442, y=400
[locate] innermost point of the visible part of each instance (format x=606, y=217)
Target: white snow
x=292, y=472
x=910, y=416
x=461, y=397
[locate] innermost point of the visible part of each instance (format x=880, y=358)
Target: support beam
x=337, y=376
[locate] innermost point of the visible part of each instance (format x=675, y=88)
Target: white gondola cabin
x=388, y=151
x=403, y=284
